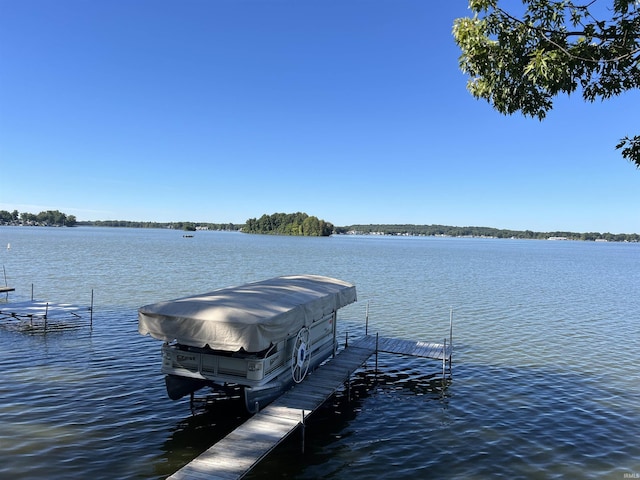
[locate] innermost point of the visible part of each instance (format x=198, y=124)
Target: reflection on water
x=545, y=378
x=212, y=418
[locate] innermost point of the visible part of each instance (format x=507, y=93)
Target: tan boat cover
x=251, y=316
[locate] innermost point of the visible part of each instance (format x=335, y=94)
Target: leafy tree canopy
x=289, y=224
x=50, y=217
x=519, y=61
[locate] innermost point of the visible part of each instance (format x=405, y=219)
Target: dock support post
x=366, y=320
x=46, y=312
x=32, y=292
x=346, y=339
x=303, y=427
x=91, y=311
x=376, y=353
x=450, y=338
x=335, y=332
x=5, y=281
x=444, y=359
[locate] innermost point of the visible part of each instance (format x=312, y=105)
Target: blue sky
x=352, y=111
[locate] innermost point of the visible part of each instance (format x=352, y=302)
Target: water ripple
x=545, y=377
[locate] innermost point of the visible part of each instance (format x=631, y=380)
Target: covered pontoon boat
x=263, y=336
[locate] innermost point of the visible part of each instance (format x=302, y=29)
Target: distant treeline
x=52, y=218
x=303, y=224
x=299, y=224
x=188, y=226
x=443, y=230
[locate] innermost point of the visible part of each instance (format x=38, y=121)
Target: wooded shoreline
x=7, y=218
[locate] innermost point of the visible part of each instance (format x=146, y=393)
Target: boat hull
x=263, y=375
x=178, y=387
x=255, y=397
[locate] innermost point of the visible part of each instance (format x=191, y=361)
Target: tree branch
x=545, y=34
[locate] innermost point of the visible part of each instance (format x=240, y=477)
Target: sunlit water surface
x=545, y=374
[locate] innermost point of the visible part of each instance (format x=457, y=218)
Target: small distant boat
x=187, y=236
x=263, y=336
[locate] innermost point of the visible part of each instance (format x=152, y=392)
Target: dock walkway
x=235, y=455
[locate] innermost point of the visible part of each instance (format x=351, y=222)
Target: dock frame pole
x=335, y=333
x=5, y=281
x=366, y=320
x=444, y=359
x=376, y=353
x=91, y=311
x=303, y=427
x=450, y=338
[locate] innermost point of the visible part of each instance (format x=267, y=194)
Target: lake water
x=545, y=380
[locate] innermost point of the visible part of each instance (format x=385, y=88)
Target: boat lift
x=241, y=450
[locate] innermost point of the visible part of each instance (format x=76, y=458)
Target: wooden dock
x=236, y=454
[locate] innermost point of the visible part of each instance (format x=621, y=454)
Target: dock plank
x=413, y=348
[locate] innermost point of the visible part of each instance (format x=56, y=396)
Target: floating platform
x=45, y=315
x=236, y=454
